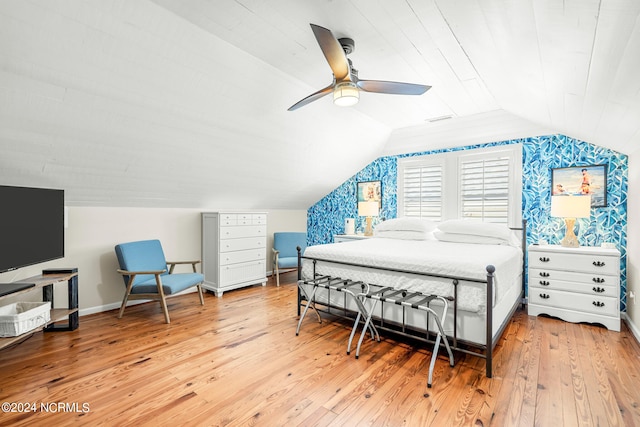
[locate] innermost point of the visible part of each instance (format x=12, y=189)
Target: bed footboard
x=360, y=313
x=472, y=348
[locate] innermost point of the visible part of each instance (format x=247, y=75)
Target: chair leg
x=277, y=275
x=200, y=293
x=127, y=292
x=163, y=301
x=124, y=304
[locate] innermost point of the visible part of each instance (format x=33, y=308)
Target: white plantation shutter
x=484, y=184
x=422, y=195
x=484, y=189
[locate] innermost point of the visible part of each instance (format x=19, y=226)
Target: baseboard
x=107, y=307
x=116, y=305
x=286, y=270
x=632, y=327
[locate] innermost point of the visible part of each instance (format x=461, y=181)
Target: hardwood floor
x=236, y=361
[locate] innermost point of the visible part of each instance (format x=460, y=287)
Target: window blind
x=484, y=184
x=484, y=189
x=422, y=191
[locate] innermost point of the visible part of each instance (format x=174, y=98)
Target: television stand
x=13, y=287
x=68, y=315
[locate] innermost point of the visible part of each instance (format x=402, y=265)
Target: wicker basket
x=21, y=317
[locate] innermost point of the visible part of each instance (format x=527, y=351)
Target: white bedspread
x=424, y=256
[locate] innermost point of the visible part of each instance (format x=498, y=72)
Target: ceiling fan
x=346, y=85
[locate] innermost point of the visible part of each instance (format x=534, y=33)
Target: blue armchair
x=285, y=253
x=144, y=270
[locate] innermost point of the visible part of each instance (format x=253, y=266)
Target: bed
x=478, y=266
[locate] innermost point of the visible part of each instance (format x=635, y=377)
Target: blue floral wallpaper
x=539, y=156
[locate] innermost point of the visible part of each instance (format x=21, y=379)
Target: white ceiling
x=183, y=103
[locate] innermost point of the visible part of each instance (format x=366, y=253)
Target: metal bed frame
x=484, y=351
x=415, y=300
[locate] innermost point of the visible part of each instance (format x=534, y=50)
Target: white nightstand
x=340, y=238
x=575, y=284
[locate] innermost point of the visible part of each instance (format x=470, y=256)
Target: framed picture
x=581, y=180
x=369, y=191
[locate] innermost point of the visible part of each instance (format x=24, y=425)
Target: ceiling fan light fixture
x=346, y=85
x=346, y=94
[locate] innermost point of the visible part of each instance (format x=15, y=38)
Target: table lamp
x=369, y=210
x=570, y=208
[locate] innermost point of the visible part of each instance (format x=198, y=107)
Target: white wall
x=93, y=232
x=633, y=244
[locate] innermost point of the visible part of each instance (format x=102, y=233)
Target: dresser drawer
x=243, y=272
x=539, y=275
x=605, y=306
x=251, y=219
x=240, y=231
x=230, y=245
x=227, y=258
x=578, y=287
x=258, y=219
x=583, y=263
x=228, y=219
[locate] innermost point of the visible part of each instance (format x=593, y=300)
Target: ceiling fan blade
x=394, y=88
x=333, y=52
x=313, y=97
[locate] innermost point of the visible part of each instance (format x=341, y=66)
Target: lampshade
x=368, y=208
x=571, y=206
x=346, y=94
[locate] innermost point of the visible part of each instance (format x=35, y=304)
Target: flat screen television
x=31, y=226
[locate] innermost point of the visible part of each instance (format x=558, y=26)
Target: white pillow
x=407, y=224
x=404, y=234
x=514, y=240
x=468, y=238
x=476, y=228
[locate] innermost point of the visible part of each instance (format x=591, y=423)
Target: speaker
x=350, y=226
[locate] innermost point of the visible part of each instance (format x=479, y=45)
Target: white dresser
x=575, y=284
x=234, y=251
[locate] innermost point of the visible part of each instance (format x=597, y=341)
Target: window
x=484, y=184
x=422, y=195
x=484, y=189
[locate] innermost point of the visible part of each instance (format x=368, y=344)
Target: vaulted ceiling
x=183, y=103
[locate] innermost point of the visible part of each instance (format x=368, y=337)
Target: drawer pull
x=544, y=283
x=598, y=279
x=544, y=259
x=598, y=289
x=546, y=296
x=598, y=304
x=598, y=263
x=544, y=274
